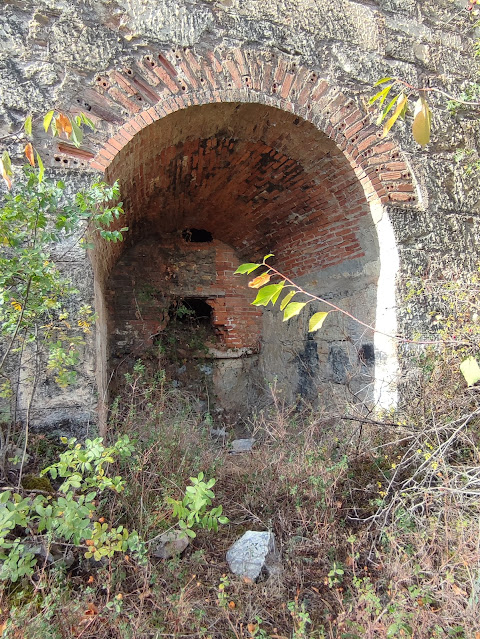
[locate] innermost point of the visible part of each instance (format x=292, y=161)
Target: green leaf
x=41, y=168
x=77, y=134
x=381, y=95
x=293, y=309
x=246, y=268
x=470, y=370
x=286, y=299
x=7, y=163
x=401, y=104
x=385, y=111
x=422, y=119
x=316, y=321
x=28, y=125
x=267, y=256
x=47, y=120
x=268, y=294
x=381, y=81
x=87, y=121
x=277, y=294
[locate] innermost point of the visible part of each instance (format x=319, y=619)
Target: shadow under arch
x=258, y=179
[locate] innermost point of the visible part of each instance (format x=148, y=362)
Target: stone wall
x=249, y=120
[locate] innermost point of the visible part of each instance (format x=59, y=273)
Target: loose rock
x=252, y=553
x=170, y=544
x=242, y=446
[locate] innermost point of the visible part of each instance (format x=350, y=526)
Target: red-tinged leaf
x=63, y=125
x=30, y=154
x=422, y=118
x=5, y=169
x=401, y=104
x=259, y=281
x=6, y=177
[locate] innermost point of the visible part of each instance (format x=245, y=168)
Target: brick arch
x=317, y=216
x=126, y=101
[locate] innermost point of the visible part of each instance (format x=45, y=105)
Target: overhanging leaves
x=378, y=82
x=316, y=321
x=77, y=134
x=28, y=125
x=292, y=309
x=6, y=168
x=47, y=120
x=287, y=299
x=401, y=104
x=29, y=154
x=422, y=119
x=261, y=280
x=268, y=294
x=381, y=95
x=246, y=268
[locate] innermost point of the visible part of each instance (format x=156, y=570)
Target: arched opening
x=210, y=186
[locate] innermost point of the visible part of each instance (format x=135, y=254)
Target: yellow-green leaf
x=28, y=125
x=287, y=299
x=381, y=81
x=267, y=256
x=77, y=133
x=316, y=321
x=386, y=110
x=268, y=294
x=422, y=122
x=246, y=268
x=41, y=168
x=381, y=95
x=87, y=121
x=292, y=309
x=47, y=120
x=401, y=103
x=470, y=370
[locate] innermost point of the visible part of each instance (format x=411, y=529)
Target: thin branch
x=436, y=90
x=337, y=309
x=17, y=327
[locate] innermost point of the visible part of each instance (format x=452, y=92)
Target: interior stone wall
x=132, y=63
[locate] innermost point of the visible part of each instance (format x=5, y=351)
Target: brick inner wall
x=251, y=196
x=159, y=270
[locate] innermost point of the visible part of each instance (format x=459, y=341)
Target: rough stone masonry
x=238, y=128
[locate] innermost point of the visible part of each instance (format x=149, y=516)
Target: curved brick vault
x=125, y=101
x=263, y=154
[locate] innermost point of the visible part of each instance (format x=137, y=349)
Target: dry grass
x=377, y=524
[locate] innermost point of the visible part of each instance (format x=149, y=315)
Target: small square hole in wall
x=197, y=235
x=192, y=311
